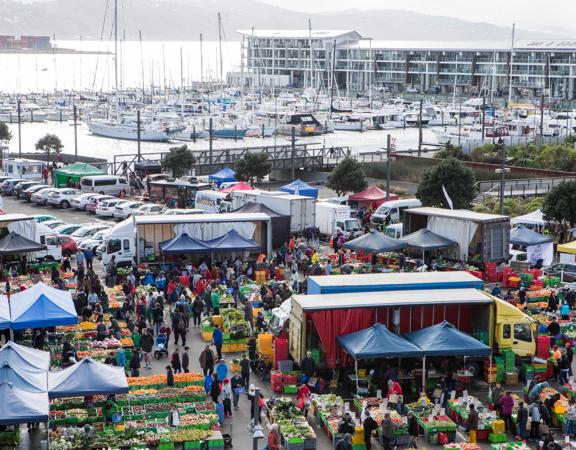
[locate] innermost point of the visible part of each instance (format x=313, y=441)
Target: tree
x=556, y=157
x=5, y=134
x=457, y=179
x=451, y=151
x=178, y=160
x=253, y=167
x=560, y=203
x=347, y=176
x=50, y=143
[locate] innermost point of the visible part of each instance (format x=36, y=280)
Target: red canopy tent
x=240, y=186
x=371, y=197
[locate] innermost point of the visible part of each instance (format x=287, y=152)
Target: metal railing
x=527, y=187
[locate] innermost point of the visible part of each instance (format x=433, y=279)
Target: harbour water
x=162, y=64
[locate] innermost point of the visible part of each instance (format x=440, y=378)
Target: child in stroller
x=161, y=350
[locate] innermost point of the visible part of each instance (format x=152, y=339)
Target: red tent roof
x=240, y=186
x=371, y=194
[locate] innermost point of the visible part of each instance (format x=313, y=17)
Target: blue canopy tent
x=4, y=314
x=19, y=406
x=444, y=339
x=232, y=242
x=521, y=235
x=299, y=187
x=374, y=242
x=41, y=306
x=23, y=357
x=88, y=377
x=225, y=175
x=374, y=343
x=30, y=381
x=183, y=244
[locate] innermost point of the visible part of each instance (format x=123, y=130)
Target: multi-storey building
x=532, y=68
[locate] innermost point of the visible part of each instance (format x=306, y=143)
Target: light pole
x=502, y=171
x=258, y=433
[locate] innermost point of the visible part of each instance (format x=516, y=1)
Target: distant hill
x=186, y=19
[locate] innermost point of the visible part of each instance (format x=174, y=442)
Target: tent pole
x=424, y=374
x=356, y=368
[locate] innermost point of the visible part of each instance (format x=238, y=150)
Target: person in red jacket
x=303, y=398
x=394, y=395
x=273, y=438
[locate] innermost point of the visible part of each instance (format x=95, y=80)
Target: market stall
x=425, y=240
x=226, y=175
x=376, y=342
x=280, y=223
x=371, y=197
x=538, y=247
x=73, y=173
x=299, y=187
x=374, y=242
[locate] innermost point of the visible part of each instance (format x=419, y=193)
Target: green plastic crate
x=193, y=444
x=290, y=389
x=216, y=443
x=497, y=438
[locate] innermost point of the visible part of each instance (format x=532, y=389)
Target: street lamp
x=502, y=171
x=257, y=430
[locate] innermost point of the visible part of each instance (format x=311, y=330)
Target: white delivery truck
x=138, y=238
x=212, y=201
x=331, y=218
x=302, y=210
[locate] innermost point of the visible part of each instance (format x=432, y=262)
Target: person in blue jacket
x=218, y=340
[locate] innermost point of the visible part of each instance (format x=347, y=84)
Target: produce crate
x=402, y=440
x=290, y=389
x=358, y=447
x=497, y=438
x=193, y=444
x=215, y=443
x=309, y=444
x=431, y=437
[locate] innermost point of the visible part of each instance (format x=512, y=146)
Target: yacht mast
x=220, y=44
x=311, y=54
x=116, y=46
x=201, y=61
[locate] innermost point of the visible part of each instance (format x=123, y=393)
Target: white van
x=393, y=211
x=105, y=184
x=213, y=201
x=394, y=230
x=50, y=239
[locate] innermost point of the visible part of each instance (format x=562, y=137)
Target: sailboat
x=128, y=128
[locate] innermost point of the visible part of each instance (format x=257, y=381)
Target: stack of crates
x=481, y=336
x=509, y=360
x=540, y=371
x=543, y=347
x=528, y=372
x=525, y=280
x=494, y=373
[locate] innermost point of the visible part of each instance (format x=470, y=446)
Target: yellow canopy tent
x=570, y=248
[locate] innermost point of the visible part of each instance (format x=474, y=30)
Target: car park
x=87, y=231
x=124, y=210
x=52, y=224
x=23, y=185
x=9, y=185
x=81, y=201
x=67, y=229
x=106, y=207
x=149, y=209
x=95, y=201
x=62, y=197
x=40, y=218
x=41, y=197
x=26, y=194
x=69, y=246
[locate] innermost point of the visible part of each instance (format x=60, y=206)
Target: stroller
x=161, y=349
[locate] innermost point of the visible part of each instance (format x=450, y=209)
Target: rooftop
x=462, y=214
x=298, y=34
x=370, y=279
x=201, y=218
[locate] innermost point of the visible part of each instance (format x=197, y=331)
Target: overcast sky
x=528, y=14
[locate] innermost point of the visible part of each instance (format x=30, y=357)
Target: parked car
x=9, y=185
x=567, y=272
x=67, y=229
x=105, y=184
x=69, y=246
x=81, y=201
x=62, y=197
x=41, y=218
x=26, y=194
x=93, y=242
x=149, y=209
x=52, y=224
x=124, y=210
x=87, y=231
x=106, y=207
x=41, y=197
x=23, y=185
x=179, y=212
x=94, y=201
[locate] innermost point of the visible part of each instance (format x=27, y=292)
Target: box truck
x=331, y=218
x=316, y=320
x=302, y=210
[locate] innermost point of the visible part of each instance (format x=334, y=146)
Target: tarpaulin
x=332, y=323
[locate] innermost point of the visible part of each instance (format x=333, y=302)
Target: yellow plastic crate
x=207, y=336
x=498, y=427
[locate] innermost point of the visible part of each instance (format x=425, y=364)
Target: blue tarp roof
x=444, y=339
x=30, y=381
x=232, y=241
x=183, y=244
x=223, y=176
x=23, y=357
x=525, y=236
x=375, y=242
x=299, y=187
x=42, y=306
x=19, y=406
x=425, y=239
x=377, y=342
x=88, y=377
